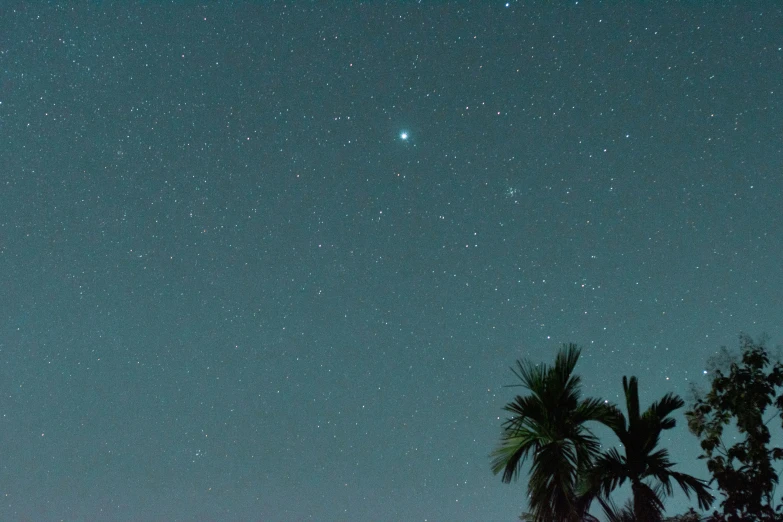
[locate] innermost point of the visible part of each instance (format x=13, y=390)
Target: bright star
x=403, y=135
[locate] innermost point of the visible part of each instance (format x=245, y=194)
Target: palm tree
x=549, y=424
x=648, y=470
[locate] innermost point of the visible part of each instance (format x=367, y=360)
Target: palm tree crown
x=648, y=470
x=549, y=423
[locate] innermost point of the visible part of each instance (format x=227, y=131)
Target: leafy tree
x=549, y=423
x=743, y=472
x=648, y=469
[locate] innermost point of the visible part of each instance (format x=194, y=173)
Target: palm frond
x=586, y=446
x=566, y=360
x=513, y=452
x=667, y=405
x=659, y=460
x=608, y=472
x=615, y=514
x=593, y=409
x=531, y=376
x=699, y=487
x=526, y=411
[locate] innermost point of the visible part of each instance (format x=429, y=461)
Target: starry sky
x=262, y=261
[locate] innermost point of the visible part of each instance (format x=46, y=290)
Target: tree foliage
x=646, y=466
x=549, y=425
x=743, y=472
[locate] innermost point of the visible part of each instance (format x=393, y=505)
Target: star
x=403, y=136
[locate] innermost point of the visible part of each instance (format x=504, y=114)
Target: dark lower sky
x=265, y=261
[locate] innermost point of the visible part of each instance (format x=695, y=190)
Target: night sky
x=266, y=262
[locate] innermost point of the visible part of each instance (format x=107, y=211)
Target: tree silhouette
x=648, y=469
x=743, y=472
x=549, y=423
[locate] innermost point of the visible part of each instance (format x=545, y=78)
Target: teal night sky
x=272, y=262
